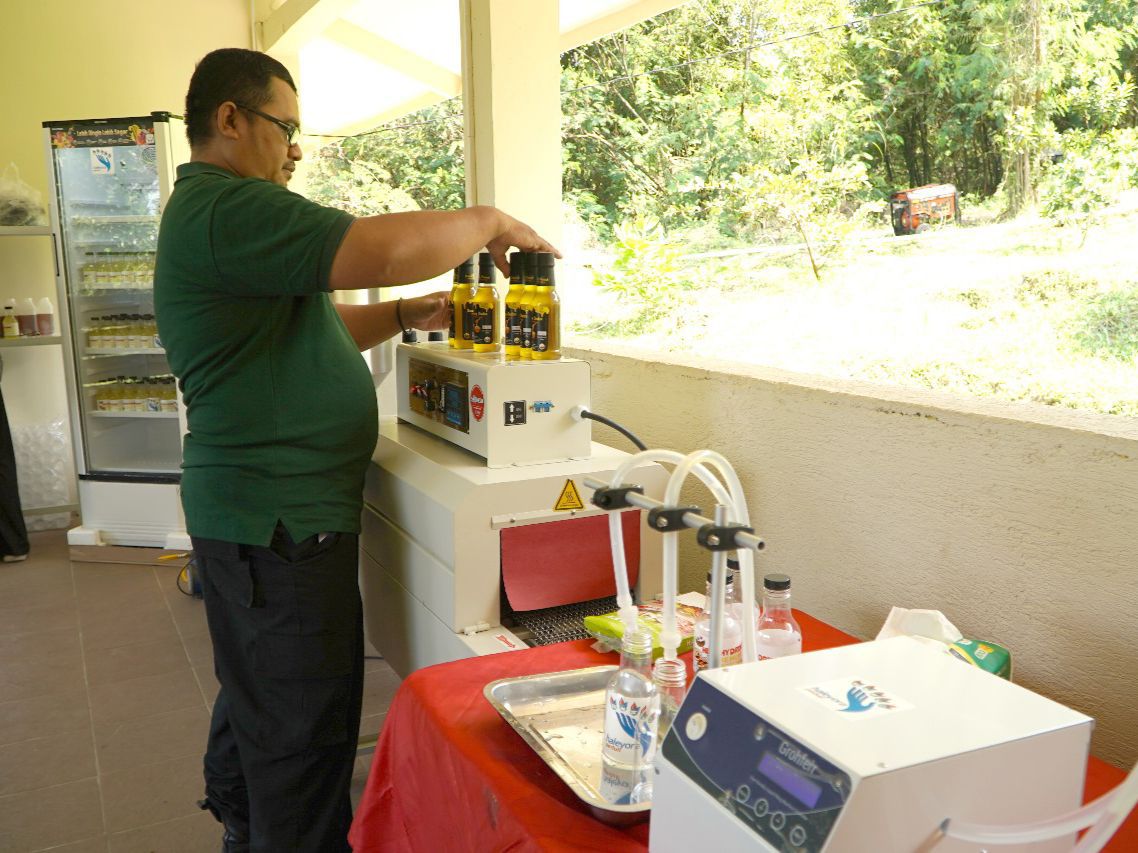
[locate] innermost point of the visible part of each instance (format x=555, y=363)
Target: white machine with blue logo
x=866, y=748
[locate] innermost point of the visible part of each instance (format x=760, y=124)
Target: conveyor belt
x=558, y=624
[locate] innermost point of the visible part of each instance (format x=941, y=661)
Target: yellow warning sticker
x=569, y=499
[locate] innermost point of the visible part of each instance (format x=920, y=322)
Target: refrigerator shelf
x=133, y=288
x=31, y=341
x=116, y=219
x=95, y=352
x=133, y=414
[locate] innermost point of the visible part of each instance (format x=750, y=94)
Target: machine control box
x=509, y=411
x=781, y=789
x=862, y=749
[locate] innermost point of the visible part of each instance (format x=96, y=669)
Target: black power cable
x=593, y=416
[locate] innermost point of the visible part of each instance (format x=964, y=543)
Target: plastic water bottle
x=631, y=707
x=732, y=649
x=671, y=680
x=778, y=634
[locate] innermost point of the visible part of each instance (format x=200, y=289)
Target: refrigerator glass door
x=108, y=204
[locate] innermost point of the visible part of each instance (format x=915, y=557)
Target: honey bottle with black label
x=545, y=310
x=459, y=295
x=484, y=308
x=529, y=278
x=512, y=333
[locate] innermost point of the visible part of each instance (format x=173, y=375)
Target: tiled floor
x=106, y=681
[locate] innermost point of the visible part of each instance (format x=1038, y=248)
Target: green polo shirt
x=280, y=403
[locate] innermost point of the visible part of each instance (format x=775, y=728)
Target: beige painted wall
x=1019, y=523
x=70, y=59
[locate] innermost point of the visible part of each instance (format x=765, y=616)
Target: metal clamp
x=722, y=537
x=616, y=497
x=670, y=518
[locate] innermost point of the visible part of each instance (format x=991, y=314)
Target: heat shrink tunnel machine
x=475, y=536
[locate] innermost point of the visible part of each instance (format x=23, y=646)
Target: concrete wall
x=1018, y=522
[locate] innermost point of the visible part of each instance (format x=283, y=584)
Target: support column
x=511, y=86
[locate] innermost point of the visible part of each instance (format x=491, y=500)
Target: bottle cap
x=530, y=267
x=486, y=268
x=777, y=583
x=544, y=269
x=464, y=272
x=517, y=267
x=410, y=336
x=435, y=336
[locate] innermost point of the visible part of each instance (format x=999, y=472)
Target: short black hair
x=229, y=74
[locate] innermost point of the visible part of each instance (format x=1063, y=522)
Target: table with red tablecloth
x=450, y=774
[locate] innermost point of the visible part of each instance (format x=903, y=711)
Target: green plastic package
x=608, y=629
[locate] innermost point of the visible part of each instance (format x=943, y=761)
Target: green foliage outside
x=647, y=278
x=780, y=153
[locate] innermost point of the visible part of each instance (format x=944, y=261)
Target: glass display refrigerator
x=110, y=179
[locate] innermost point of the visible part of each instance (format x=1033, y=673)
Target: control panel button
x=761, y=807
x=797, y=835
x=696, y=726
x=743, y=794
x=778, y=820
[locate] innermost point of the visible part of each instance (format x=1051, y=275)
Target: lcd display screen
x=789, y=780
x=454, y=405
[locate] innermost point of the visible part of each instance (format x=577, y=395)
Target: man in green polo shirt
x=282, y=422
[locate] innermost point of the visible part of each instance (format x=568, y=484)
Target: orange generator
x=915, y=210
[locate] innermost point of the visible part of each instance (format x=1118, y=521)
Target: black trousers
x=13, y=532
x=287, y=630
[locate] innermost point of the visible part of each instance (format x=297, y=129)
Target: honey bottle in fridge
x=545, y=310
x=485, y=308
x=529, y=277
x=459, y=295
x=512, y=331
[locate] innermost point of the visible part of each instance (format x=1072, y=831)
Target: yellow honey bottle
x=485, y=308
x=459, y=295
x=545, y=309
x=512, y=332
x=529, y=276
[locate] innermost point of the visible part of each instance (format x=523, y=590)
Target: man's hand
x=429, y=313
x=513, y=233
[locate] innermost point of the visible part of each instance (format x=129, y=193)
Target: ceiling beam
x=439, y=80
x=400, y=110
x=295, y=22
x=616, y=21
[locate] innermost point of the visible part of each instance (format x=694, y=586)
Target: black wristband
x=399, y=315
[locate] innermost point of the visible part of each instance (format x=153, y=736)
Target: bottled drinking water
x=778, y=634
x=631, y=707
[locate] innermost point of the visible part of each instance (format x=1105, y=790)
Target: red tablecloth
x=450, y=774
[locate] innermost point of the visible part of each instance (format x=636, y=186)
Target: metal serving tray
x=561, y=715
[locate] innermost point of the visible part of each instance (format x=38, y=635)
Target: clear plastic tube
x=1024, y=833
x=1103, y=816
x=1118, y=804
x=669, y=636
x=737, y=513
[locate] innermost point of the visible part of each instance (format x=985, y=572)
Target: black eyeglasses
x=291, y=131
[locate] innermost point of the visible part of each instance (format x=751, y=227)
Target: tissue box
x=990, y=657
x=608, y=628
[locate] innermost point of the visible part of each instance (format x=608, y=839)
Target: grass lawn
x=1013, y=311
